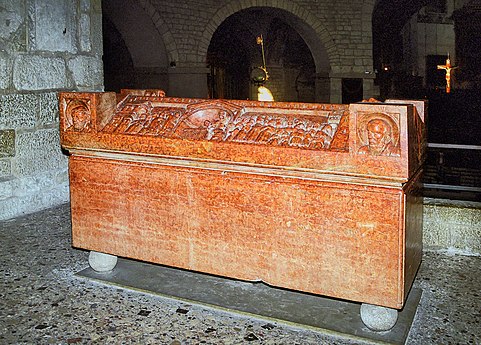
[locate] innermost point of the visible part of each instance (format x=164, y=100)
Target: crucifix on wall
x=447, y=67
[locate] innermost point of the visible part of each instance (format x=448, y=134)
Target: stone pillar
x=323, y=88
x=47, y=45
x=369, y=90
x=188, y=82
x=336, y=90
x=151, y=78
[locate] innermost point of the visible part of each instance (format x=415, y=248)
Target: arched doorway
x=118, y=66
x=134, y=52
x=233, y=53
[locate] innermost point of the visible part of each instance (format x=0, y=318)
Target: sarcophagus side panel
x=331, y=239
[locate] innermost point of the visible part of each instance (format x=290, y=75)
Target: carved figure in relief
x=77, y=115
x=380, y=135
x=322, y=137
x=245, y=126
x=223, y=121
x=140, y=118
x=154, y=93
x=205, y=121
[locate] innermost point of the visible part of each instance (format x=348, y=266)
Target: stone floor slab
x=256, y=299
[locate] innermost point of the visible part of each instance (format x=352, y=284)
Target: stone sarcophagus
x=321, y=198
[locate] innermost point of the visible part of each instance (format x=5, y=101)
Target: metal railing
x=440, y=164
x=454, y=146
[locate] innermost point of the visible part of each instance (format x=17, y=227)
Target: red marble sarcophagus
x=321, y=198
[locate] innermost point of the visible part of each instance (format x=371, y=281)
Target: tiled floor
x=43, y=302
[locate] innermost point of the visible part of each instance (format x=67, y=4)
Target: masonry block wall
x=344, y=27
x=338, y=33
x=452, y=225
x=45, y=46
x=52, y=45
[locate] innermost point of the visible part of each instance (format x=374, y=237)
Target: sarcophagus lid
x=363, y=140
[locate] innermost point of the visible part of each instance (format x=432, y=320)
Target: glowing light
x=264, y=94
x=447, y=68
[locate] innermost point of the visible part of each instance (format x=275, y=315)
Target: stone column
x=323, y=88
x=336, y=90
x=369, y=90
x=468, y=41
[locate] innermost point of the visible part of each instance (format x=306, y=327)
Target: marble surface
x=43, y=302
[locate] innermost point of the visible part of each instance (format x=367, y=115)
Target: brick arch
x=323, y=36
x=162, y=28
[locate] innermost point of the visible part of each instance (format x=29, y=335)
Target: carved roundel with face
x=77, y=115
x=378, y=135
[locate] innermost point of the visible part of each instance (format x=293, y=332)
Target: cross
x=447, y=67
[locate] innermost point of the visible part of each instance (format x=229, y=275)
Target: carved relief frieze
x=340, y=141
x=378, y=134
x=77, y=114
x=222, y=121
x=301, y=132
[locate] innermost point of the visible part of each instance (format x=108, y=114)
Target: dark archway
x=118, y=66
x=388, y=19
x=233, y=53
x=134, y=52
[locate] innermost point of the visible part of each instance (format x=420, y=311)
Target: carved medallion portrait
x=77, y=115
x=378, y=134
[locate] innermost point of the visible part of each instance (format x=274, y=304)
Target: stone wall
x=338, y=33
x=343, y=27
x=45, y=46
x=452, y=225
x=427, y=34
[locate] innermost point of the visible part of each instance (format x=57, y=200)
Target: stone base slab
x=256, y=299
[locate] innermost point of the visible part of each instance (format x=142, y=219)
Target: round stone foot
x=102, y=262
x=378, y=318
